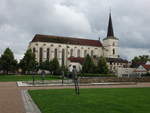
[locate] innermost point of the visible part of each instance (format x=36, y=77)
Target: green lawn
x=118, y=100
x=8, y=78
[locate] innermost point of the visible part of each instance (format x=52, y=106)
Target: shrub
x=96, y=75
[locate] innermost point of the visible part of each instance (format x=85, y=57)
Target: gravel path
x=11, y=100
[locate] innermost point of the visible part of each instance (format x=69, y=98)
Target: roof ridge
x=67, y=37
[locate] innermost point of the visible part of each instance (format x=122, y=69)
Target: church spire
x=110, y=32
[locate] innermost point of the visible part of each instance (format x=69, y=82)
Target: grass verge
x=116, y=100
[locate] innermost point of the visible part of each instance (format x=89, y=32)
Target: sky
x=20, y=20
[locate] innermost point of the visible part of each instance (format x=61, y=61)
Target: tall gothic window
x=78, y=53
x=55, y=55
x=34, y=50
x=41, y=55
x=71, y=52
x=113, y=51
x=48, y=56
x=63, y=56
x=92, y=53
x=85, y=53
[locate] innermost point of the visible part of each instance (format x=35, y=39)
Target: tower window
x=113, y=51
x=113, y=43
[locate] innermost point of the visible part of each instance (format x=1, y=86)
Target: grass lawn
x=8, y=78
x=117, y=100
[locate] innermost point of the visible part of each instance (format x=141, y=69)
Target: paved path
x=11, y=100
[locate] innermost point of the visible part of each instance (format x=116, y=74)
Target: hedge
x=96, y=75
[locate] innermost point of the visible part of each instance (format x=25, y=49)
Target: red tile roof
x=147, y=67
x=66, y=40
x=76, y=59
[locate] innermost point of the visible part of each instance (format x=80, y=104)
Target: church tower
x=110, y=43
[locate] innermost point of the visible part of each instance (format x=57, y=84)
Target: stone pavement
x=11, y=100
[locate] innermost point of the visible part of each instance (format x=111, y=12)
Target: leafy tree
x=55, y=67
x=45, y=65
x=8, y=62
x=102, y=67
x=143, y=58
x=140, y=59
x=88, y=65
x=28, y=63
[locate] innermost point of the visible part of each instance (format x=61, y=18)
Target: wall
x=112, y=79
x=67, y=47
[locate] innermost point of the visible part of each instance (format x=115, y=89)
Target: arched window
x=48, y=56
x=78, y=53
x=41, y=55
x=113, y=51
x=55, y=55
x=34, y=50
x=63, y=56
x=113, y=43
x=92, y=53
x=71, y=53
x=85, y=53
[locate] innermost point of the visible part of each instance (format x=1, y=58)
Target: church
x=72, y=50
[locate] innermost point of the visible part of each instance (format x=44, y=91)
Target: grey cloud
x=20, y=20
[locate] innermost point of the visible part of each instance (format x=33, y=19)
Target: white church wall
x=67, y=48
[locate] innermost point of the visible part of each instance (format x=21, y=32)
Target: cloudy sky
x=20, y=20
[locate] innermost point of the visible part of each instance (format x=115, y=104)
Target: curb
x=30, y=106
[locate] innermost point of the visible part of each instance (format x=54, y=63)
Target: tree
x=55, y=67
x=88, y=65
x=102, y=67
x=8, y=62
x=28, y=63
x=45, y=65
x=140, y=59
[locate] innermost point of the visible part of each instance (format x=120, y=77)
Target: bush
x=146, y=75
x=96, y=75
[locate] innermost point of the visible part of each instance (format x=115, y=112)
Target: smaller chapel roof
x=66, y=40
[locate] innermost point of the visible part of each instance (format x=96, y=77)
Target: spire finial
x=110, y=32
